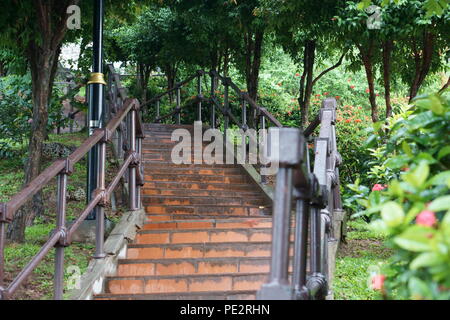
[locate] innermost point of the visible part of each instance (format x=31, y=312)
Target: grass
x=77, y=256
x=363, y=253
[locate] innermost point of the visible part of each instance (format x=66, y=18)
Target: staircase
x=207, y=235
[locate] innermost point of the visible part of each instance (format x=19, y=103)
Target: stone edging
x=92, y=281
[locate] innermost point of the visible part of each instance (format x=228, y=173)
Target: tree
x=37, y=28
x=305, y=30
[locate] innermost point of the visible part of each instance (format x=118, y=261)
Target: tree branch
x=330, y=68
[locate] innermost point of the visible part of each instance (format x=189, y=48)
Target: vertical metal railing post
x=199, y=92
x=301, y=247
x=226, y=104
x=178, y=105
x=58, y=287
x=289, y=156
x=139, y=167
x=157, y=110
x=213, y=107
x=100, y=226
x=132, y=168
x=263, y=129
x=2, y=254
x=244, y=114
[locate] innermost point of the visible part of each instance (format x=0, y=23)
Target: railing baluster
x=157, y=109
x=100, y=226
x=2, y=255
x=58, y=288
x=301, y=247
x=226, y=104
x=132, y=169
x=179, y=105
x=213, y=107
x=289, y=156
x=199, y=91
x=263, y=129
x=244, y=114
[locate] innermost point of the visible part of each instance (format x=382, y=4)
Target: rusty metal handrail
x=62, y=168
x=317, y=198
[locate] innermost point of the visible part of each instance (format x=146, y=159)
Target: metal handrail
x=62, y=168
x=316, y=197
x=213, y=101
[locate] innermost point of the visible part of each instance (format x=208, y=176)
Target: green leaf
x=378, y=226
x=439, y=179
x=406, y=148
x=418, y=289
x=418, y=176
x=443, y=152
x=415, y=239
x=425, y=259
x=440, y=204
x=392, y=214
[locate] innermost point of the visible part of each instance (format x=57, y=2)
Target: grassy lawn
x=363, y=252
x=40, y=283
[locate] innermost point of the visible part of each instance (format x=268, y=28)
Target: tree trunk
x=254, y=42
x=387, y=51
x=171, y=74
x=423, y=58
x=306, y=81
x=366, y=57
x=42, y=52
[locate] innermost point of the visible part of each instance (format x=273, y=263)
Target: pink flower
x=367, y=90
x=426, y=218
x=325, y=93
x=378, y=282
x=352, y=87
x=378, y=187
x=30, y=120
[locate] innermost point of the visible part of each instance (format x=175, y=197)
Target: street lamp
x=96, y=100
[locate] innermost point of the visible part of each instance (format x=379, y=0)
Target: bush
x=411, y=203
x=16, y=113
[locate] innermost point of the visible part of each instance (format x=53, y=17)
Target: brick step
x=207, y=210
x=212, y=223
x=199, y=193
x=183, y=284
x=199, y=250
x=208, y=295
x=170, y=164
x=154, y=217
x=198, y=186
x=212, y=235
x=187, y=267
x=190, y=201
x=238, y=178
x=198, y=170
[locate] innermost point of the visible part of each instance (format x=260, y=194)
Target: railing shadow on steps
x=315, y=193
x=124, y=116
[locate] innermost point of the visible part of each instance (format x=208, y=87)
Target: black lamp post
x=96, y=97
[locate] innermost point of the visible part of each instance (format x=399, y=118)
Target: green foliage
x=16, y=113
x=414, y=210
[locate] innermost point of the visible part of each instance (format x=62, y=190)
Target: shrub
x=412, y=206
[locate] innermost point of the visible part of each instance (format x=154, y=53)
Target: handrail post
x=213, y=107
x=2, y=255
x=226, y=103
x=263, y=129
x=290, y=155
x=244, y=114
x=199, y=91
x=100, y=226
x=157, y=109
x=132, y=168
x=178, y=105
x=58, y=286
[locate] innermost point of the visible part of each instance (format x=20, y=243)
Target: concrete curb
x=92, y=281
